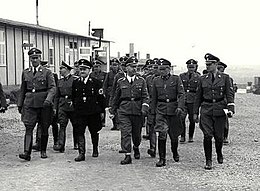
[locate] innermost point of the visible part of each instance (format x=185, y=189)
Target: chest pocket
x=137, y=90
x=41, y=81
x=125, y=91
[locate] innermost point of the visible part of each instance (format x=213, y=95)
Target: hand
x=230, y=114
x=54, y=112
x=20, y=109
x=46, y=103
x=102, y=115
x=178, y=111
x=2, y=109
x=144, y=113
x=196, y=118
x=111, y=116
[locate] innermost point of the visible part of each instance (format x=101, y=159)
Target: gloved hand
x=144, y=110
x=111, y=116
x=47, y=103
x=20, y=109
x=102, y=115
x=178, y=111
x=196, y=118
x=230, y=114
x=2, y=109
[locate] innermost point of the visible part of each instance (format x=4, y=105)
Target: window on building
x=51, y=50
x=2, y=47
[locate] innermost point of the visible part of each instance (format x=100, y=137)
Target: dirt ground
x=240, y=171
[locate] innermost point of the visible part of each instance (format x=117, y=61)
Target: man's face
x=191, y=68
x=114, y=66
x=164, y=70
x=211, y=66
x=84, y=71
x=131, y=69
x=35, y=60
x=96, y=68
x=221, y=68
x=156, y=70
x=63, y=71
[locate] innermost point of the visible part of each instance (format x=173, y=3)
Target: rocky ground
x=240, y=171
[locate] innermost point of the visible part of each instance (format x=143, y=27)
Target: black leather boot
x=151, y=152
x=207, y=143
x=95, y=140
x=219, y=145
x=44, y=142
x=136, y=152
x=27, y=148
x=162, y=153
x=82, y=150
x=37, y=146
x=191, y=131
x=174, y=147
x=127, y=160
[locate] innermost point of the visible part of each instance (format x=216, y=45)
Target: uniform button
x=167, y=100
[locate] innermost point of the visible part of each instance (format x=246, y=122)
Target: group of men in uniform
x=163, y=98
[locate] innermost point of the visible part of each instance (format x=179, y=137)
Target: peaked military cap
x=96, y=63
x=222, y=64
x=76, y=63
x=191, y=61
x=164, y=62
x=64, y=65
x=34, y=52
x=131, y=60
x=211, y=58
x=123, y=59
x=83, y=63
x=114, y=60
x=155, y=60
x=44, y=62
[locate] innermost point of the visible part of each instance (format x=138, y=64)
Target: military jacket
x=129, y=98
x=2, y=97
x=63, y=98
x=88, y=98
x=35, y=89
x=99, y=76
x=190, y=85
x=119, y=75
x=167, y=95
x=108, y=83
x=215, y=96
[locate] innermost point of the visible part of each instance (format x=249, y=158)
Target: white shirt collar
x=86, y=79
x=130, y=78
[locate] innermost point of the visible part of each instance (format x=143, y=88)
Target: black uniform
x=88, y=101
x=3, y=104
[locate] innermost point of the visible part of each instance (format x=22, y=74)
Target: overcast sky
x=173, y=29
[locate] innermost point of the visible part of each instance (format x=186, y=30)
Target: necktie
x=34, y=71
x=212, y=78
x=132, y=81
x=190, y=76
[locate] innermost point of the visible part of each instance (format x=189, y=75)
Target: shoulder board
x=121, y=79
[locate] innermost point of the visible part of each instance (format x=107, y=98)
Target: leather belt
x=192, y=91
x=167, y=100
x=36, y=91
x=65, y=96
x=130, y=99
x=213, y=100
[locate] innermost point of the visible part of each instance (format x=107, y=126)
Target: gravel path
x=240, y=171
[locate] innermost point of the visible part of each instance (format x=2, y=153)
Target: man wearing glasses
x=215, y=99
x=190, y=81
x=89, y=106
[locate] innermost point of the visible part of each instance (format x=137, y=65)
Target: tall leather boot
x=95, y=139
x=219, y=145
x=162, y=153
x=75, y=139
x=207, y=143
x=183, y=135
x=191, y=131
x=136, y=152
x=62, y=139
x=153, y=139
x=37, y=146
x=44, y=143
x=55, y=132
x=174, y=147
x=27, y=148
x=82, y=149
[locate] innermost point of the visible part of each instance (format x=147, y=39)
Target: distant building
x=16, y=38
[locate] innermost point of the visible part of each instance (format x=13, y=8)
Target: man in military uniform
x=35, y=102
x=54, y=123
x=108, y=84
x=64, y=107
x=131, y=102
x=89, y=104
x=221, y=68
x=151, y=116
x=3, y=105
x=99, y=75
x=168, y=104
x=214, y=94
x=190, y=81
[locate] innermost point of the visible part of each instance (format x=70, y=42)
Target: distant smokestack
x=37, y=17
x=118, y=54
x=89, y=28
x=131, y=49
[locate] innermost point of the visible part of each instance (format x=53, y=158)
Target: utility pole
x=37, y=17
x=89, y=28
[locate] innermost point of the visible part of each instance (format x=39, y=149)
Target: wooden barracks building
x=16, y=38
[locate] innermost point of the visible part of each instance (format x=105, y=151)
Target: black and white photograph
x=123, y=95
